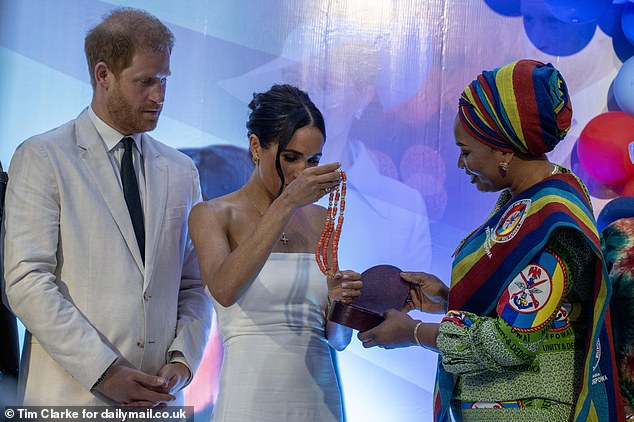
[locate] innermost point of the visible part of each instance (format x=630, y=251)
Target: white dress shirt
x=112, y=141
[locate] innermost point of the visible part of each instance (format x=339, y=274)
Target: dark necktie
x=131, y=193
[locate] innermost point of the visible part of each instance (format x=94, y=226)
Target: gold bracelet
x=416, y=333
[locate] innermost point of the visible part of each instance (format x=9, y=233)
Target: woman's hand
x=311, y=184
x=396, y=331
x=345, y=286
x=400, y=330
x=427, y=293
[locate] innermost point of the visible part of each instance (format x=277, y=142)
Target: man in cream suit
x=112, y=317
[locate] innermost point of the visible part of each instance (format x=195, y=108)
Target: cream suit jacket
x=73, y=271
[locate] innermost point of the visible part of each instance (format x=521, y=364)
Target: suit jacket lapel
x=156, y=179
x=95, y=158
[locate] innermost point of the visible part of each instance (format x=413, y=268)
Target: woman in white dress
x=256, y=252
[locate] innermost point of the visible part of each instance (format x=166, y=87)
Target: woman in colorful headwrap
x=527, y=334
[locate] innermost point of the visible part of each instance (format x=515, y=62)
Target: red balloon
x=603, y=147
x=628, y=188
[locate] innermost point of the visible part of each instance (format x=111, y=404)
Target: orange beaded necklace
x=336, y=205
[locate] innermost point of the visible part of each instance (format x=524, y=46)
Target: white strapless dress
x=276, y=364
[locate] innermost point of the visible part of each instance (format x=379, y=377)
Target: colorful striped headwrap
x=521, y=107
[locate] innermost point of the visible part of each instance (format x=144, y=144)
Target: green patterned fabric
x=494, y=362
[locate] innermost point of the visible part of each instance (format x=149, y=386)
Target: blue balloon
x=611, y=19
x=551, y=35
x=622, y=46
x=624, y=87
x=627, y=22
x=611, y=101
x=578, y=11
x=505, y=7
x=621, y=207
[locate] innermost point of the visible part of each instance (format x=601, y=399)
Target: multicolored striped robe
x=502, y=247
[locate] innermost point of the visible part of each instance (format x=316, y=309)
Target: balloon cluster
x=618, y=23
x=605, y=148
x=564, y=27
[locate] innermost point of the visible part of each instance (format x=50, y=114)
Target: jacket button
x=146, y=296
x=140, y=343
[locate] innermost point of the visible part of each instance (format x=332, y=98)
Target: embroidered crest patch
x=531, y=292
x=533, y=297
x=511, y=221
x=562, y=321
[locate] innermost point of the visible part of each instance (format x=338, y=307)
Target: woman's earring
x=504, y=166
x=255, y=158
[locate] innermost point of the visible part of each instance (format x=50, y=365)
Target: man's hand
x=175, y=375
x=131, y=387
x=426, y=293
